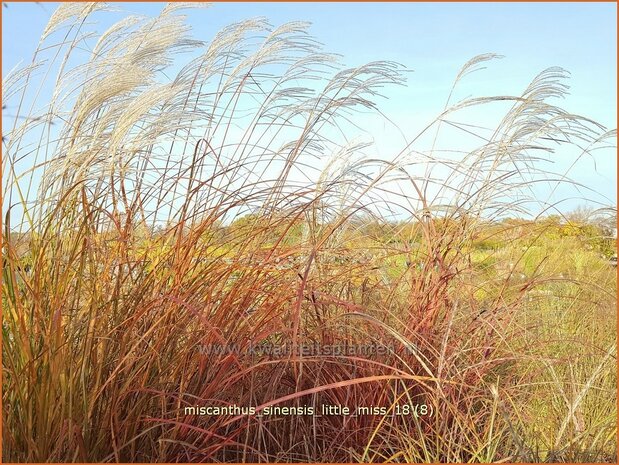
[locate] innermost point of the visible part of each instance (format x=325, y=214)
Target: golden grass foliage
x=134, y=251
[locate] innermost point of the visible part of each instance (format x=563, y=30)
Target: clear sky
x=432, y=39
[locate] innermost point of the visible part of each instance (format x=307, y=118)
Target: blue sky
x=432, y=39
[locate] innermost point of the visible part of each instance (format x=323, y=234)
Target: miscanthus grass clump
x=169, y=205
